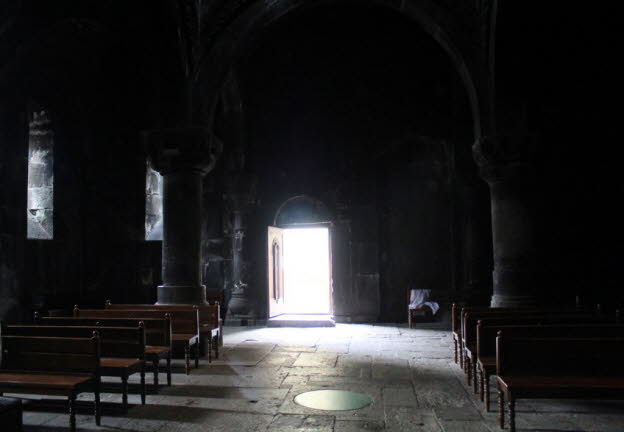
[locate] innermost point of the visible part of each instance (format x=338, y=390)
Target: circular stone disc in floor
x=333, y=400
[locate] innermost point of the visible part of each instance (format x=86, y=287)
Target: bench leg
x=72, y=412
x=455, y=350
x=486, y=397
x=210, y=347
x=462, y=361
x=482, y=385
x=220, y=335
x=169, y=370
x=409, y=318
x=124, y=390
x=97, y=405
x=143, y=391
x=196, y=353
x=155, y=363
x=474, y=376
x=216, y=346
x=501, y=409
x=512, y=414
x=468, y=370
x=187, y=357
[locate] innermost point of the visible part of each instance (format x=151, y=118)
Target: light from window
x=40, y=192
x=153, y=204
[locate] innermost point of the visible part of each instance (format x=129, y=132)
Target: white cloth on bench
x=420, y=297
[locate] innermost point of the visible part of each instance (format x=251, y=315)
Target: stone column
x=183, y=157
x=506, y=164
x=475, y=238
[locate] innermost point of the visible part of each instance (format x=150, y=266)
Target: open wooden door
x=276, y=271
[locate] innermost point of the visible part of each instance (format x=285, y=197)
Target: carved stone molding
x=193, y=148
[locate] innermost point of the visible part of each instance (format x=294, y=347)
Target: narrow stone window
x=153, y=204
x=40, y=192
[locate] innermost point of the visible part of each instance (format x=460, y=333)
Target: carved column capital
x=505, y=157
x=183, y=149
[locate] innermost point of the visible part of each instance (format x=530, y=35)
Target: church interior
x=400, y=201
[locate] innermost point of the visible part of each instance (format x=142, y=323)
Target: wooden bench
x=456, y=311
x=52, y=366
x=184, y=326
x=470, y=318
x=467, y=337
x=457, y=323
x=122, y=349
x=218, y=296
x=209, y=320
x=158, y=344
x=577, y=368
x=486, y=341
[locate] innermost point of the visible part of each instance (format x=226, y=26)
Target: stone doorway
x=299, y=269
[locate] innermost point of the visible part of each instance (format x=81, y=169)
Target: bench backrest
x=456, y=313
x=157, y=330
x=474, y=311
x=51, y=354
x=128, y=342
x=460, y=312
x=486, y=333
x=470, y=319
x=600, y=356
x=209, y=315
x=182, y=321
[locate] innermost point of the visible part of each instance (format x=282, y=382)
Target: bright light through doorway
x=306, y=271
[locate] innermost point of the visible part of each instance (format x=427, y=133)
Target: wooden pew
x=158, y=343
x=52, y=366
x=184, y=326
x=470, y=318
x=468, y=339
x=458, y=316
x=487, y=331
x=209, y=320
x=578, y=368
x=456, y=311
x=122, y=349
x=213, y=297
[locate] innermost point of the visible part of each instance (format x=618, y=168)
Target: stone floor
x=410, y=375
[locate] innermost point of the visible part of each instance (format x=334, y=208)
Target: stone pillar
x=475, y=238
x=506, y=164
x=183, y=157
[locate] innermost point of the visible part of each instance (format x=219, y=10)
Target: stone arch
x=302, y=209
x=225, y=44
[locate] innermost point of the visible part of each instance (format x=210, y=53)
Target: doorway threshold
x=302, y=320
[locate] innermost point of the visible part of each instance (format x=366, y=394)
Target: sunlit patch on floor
x=333, y=400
